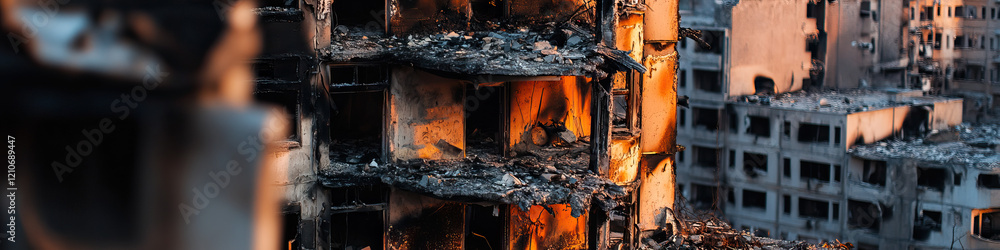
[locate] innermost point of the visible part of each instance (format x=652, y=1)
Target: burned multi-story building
x=473, y=124
x=766, y=136
x=954, y=49
x=933, y=192
x=779, y=171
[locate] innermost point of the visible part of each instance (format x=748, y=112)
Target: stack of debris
x=543, y=177
x=982, y=134
x=699, y=229
x=977, y=148
x=842, y=101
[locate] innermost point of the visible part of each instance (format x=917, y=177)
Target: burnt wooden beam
x=600, y=136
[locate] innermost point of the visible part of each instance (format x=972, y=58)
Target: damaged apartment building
x=932, y=192
x=478, y=124
x=778, y=92
x=955, y=46
x=783, y=169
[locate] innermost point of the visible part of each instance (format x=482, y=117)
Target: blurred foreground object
x=135, y=125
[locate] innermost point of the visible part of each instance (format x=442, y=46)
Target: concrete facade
x=781, y=166
x=938, y=192
x=745, y=158
x=426, y=124
x=955, y=48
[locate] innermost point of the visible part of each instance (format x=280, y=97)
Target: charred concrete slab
x=976, y=148
x=845, y=101
x=543, y=177
x=565, y=51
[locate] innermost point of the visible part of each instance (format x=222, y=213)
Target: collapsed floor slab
x=545, y=177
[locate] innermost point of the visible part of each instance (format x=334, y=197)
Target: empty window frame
x=811, y=9
x=284, y=69
x=706, y=118
x=866, y=8
x=730, y=196
x=758, y=125
x=703, y=196
x=987, y=224
x=927, y=13
x=357, y=116
x=937, y=41
x=486, y=226
x=351, y=77
x=991, y=181
x=929, y=218
x=786, y=204
x=360, y=211
x=682, y=117
x=836, y=135
x=863, y=215
x=814, y=170
x=925, y=222
x=484, y=107
x=754, y=199
x=754, y=164
x=786, y=128
x=933, y=178
x=290, y=231
x=707, y=80
x=813, y=133
x=810, y=208
x=874, y=172
x=706, y=157
x=835, y=213
x=488, y=10
x=734, y=123
x=786, y=167
x=367, y=14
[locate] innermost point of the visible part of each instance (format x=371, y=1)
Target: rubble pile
x=569, y=50
x=704, y=230
x=980, y=134
x=547, y=176
x=977, y=148
x=842, y=101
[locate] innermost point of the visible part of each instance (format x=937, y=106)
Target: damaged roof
x=841, y=101
x=543, y=177
x=569, y=51
x=976, y=148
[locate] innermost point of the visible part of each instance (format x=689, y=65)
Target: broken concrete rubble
x=969, y=150
x=704, y=230
x=841, y=102
x=543, y=177
x=520, y=53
